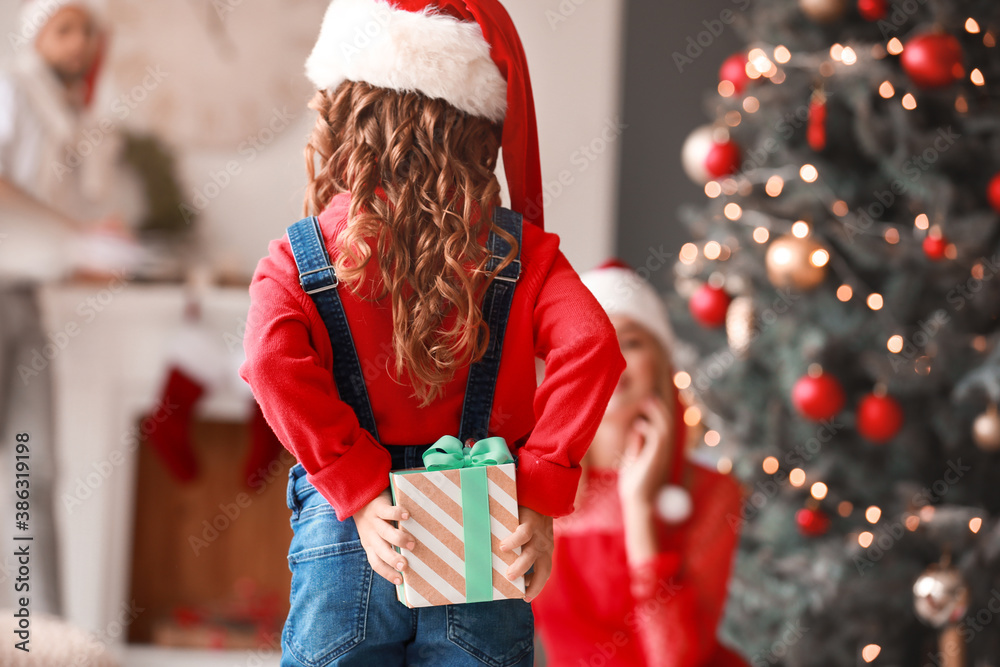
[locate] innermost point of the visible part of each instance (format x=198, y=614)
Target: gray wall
x=661, y=107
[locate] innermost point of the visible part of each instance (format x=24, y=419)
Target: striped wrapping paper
x=436, y=568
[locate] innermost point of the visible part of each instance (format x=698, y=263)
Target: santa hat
x=35, y=14
x=622, y=291
x=465, y=52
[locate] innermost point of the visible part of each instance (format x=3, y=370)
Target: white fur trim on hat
x=36, y=13
x=622, y=291
x=435, y=54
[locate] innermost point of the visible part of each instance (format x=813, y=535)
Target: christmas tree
x=841, y=297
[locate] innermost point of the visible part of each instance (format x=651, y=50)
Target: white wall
x=574, y=50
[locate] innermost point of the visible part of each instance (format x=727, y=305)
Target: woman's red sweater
x=597, y=609
x=289, y=364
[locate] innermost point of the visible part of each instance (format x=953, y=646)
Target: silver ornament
x=940, y=596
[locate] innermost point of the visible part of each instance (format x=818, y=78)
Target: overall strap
x=496, y=307
x=319, y=280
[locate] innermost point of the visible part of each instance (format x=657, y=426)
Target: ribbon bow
x=448, y=453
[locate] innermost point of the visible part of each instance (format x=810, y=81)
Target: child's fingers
x=522, y=563
x=395, y=536
x=386, y=562
x=516, y=539
x=543, y=569
x=392, y=512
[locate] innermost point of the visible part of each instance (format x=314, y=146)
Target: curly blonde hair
x=436, y=165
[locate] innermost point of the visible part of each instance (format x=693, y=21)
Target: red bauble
x=993, y=192
x=723, y=159
x=873, y=10
x=709, y=306
x=734, y=70
x=816, y=131
x=935, y=247
x=812, y=523
x=879, y=418
x=819, y=397
x=933, y=60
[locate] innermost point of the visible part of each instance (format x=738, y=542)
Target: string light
x=848, y=56
x=729, y=186
x=922, y=221
x=751, y=104
x=726, y=88
x=989, y=40
x=845, y=508
x=886, y=90
x=912, y=522
x=759, y=60
x=836, y=51
x=800, y=229
x=951, y=251
x=977, y=77
x=779, y=77
x=797, y=477
x=692, y=416
x=682, y=380
x=733, y=211
x=733, y=118
x=826, y=69
x=894, y=47
x=818, y=490
x=909, y=102
x=819, y=258
x=781, y=54
x=972, y=26
x=808, y=173
x=961, y=105
x=689, y=253
x=713, y=189
x=979, y=343
x=895, y=344
x=840, y=208
x=761, y=235
x=844, y=293
x=712, y=250
x=752, y=72
x=892, y=236
x=975, y=523
x=870, y=652
x=875, y=301
x=724, y=466
x=712, y=438
x=865, y=539
x=770, y=465
x=774, y=185
x=873, y=514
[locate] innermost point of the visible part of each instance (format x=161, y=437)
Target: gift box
x=461, y=505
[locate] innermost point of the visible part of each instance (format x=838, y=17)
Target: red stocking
x=170, y=425
x=264, y=448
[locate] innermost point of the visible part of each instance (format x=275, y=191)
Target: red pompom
x=812, y=523
x=723, y=159
x=873, y=10
x=817, y=398
x=993, y=192
x=615, y=263
x=933, y=60
x=935, y=247
x=734, y=70
x=879, y=418
x=709, y=306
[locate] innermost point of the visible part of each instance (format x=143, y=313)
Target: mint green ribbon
x=448, y=453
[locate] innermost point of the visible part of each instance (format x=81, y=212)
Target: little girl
x=640, y=574
x=377, y=327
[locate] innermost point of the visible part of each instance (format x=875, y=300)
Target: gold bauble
x=795, y=262
x=823, y=11
x=986, y=430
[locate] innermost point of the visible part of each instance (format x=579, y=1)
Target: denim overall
x=342, y=613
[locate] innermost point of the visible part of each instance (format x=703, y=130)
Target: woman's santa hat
x=622, y=291
x=466, y=53
x=35, y=14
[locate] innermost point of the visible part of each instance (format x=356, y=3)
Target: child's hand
x=534, y=536
x=378, y=536
x=645, y=466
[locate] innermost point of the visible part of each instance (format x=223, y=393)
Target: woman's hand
x=378, y=536
x=534, y=536
x=645, y=465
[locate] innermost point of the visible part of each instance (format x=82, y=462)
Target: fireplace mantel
x=108, y=354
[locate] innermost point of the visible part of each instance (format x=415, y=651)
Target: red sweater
x=289, y=364
x=596, y=609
